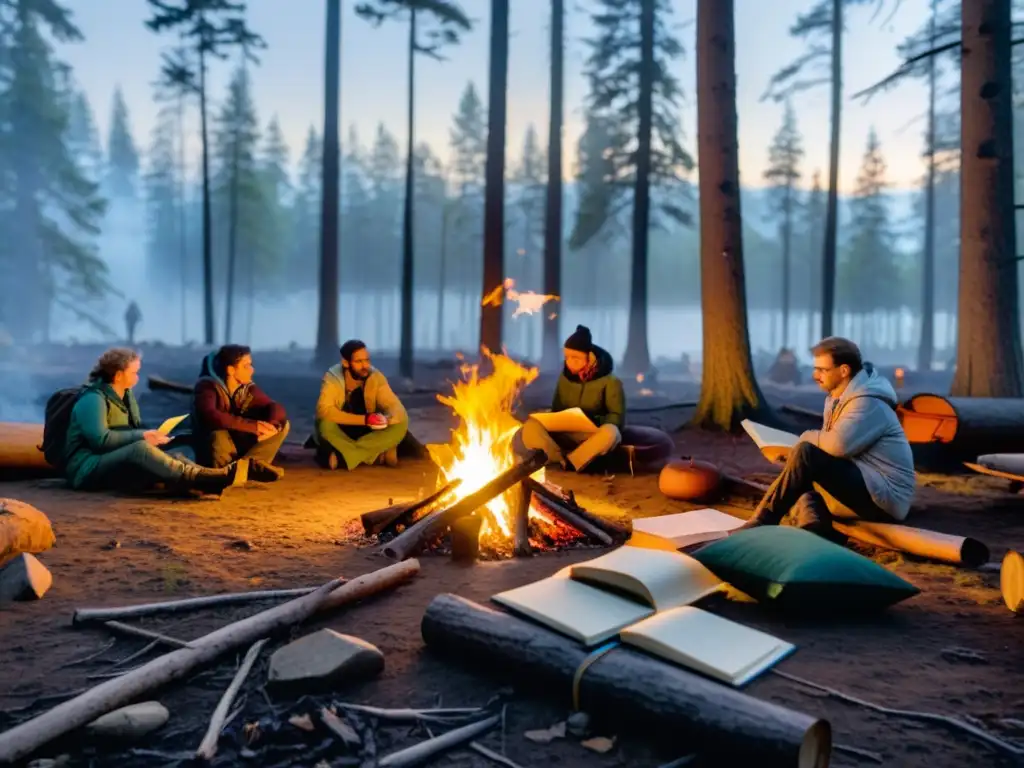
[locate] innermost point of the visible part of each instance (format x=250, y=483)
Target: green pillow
x=798, y=570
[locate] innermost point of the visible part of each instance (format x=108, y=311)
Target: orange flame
x=481, y=447
x=527, y=302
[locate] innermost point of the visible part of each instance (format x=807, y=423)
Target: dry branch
x=128, y=629
x=420, y=753
x=208, y=746
x=83, y=615
x=436, y=523
x=339, y=727
x=24, y=739
x=381, y=519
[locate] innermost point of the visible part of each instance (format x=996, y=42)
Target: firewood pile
x=447, y=522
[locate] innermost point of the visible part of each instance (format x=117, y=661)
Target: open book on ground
x=569, y=420
x=686, y=528
x=592, y=601
x=773, y=443
x=708, y=644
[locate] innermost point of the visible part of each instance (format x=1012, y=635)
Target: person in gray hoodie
x=860, y=457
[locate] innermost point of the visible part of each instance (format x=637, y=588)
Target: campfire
x=491, y=502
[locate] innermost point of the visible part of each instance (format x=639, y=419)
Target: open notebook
x=773, y=443
x=592, y=601
x=684, y=529
x=706, y=643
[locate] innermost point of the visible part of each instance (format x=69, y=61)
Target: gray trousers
x=583, y=447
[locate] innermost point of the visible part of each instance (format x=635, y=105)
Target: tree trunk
x=327, y=325
x=405, y=353
x=787, y=250
x=551, y=354
x=442, y=277
x=926, y=348
x=828, y=263
x=988, y=362
x=729, y=390
x=637, y=358
x=229, y=291
x=207, y=217
x=182, y=219
x=494, y=177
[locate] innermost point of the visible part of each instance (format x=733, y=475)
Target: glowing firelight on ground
x=481, y=445
x=527, y=302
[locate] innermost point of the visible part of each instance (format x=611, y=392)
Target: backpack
x=56, y=423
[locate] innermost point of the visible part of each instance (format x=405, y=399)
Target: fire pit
x=480, y=476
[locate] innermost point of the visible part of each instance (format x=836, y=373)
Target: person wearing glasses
x=860, y=457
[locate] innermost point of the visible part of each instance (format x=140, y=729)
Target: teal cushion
x=798, y=570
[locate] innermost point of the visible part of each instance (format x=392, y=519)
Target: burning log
x=521, y=523
x=565, y=506
x=630, y=687
x=389, y=517
x=434, y=524
x=466, y=538
x=574, y=521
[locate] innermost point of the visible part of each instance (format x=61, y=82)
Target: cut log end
x=816, y=748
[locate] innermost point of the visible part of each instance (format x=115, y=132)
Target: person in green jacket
x=107, y=448
x=587, y=383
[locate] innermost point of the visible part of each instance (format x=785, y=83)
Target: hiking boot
x=216, y=481
x=326, y=456
x=264, y=472
x=390, y=457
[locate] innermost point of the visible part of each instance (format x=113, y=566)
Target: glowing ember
x=527, y=303
x=481, y=447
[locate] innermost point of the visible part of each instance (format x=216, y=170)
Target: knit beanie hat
x=580, y=340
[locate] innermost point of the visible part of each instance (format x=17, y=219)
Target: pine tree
x=277, y=193
x=525, y=237
x=83, y=138
x=383, y=179
x=468, y=142
x=305, y=239
x=811, y=226
x=161, y=185
x=782, y=174
x=123, y=166
x=629, y=71
x=238, y=189
x=50, y=210
x=468, y=139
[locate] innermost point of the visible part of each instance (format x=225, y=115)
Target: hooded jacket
x=601, y=396
x=214, y=408
x=377, y=394
x=101, y=422
x=862, y=425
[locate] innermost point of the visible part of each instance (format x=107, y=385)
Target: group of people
x=860, y=457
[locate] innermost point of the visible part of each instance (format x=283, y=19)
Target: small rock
x=321, y=661
x=547, y=735
x=130, y=722
x=24, y=578
x=243, y=545
x=599, y=744
x=578, y=724
x=112, y=544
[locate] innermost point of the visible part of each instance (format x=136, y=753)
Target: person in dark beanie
x=588, y=383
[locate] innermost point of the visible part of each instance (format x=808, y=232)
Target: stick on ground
x=208, y=746
x=27, y=737
x=128, y=629
x=420, y=753
x=188, y=604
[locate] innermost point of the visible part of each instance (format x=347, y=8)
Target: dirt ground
x=954, y=649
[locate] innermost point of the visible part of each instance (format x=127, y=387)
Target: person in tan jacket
x=359, y=418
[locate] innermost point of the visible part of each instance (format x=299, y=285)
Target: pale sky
x=289, y=81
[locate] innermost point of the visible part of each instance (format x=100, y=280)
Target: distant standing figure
x=132, y=316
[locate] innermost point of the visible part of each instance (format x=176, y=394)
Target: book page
x=710, y=644
x=686, y=528
x=582, y=612
x=659, y=578
x=769, y=437
x=569, y=420
x=171, y=423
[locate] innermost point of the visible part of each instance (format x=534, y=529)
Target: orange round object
x=687, y=479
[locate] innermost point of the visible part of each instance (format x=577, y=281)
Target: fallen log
x=83, y=615
x=21, y=447
x=25, y=738
x=920, y=542
x=378, y=520
x=567, y=501
x=965, y=426
x=629, y=688
x=436, y=523
x=208, y=746
x=159, y=383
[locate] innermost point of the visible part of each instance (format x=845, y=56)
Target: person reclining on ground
x=106, y=447
x=860, y=456
x=587, y=383
x=232, y=418
x=359, y=418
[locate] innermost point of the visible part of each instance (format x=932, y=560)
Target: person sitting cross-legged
x=588, y=383
x=106, y=447
x=359, y=418
x=860, y=457
x=232, y=418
